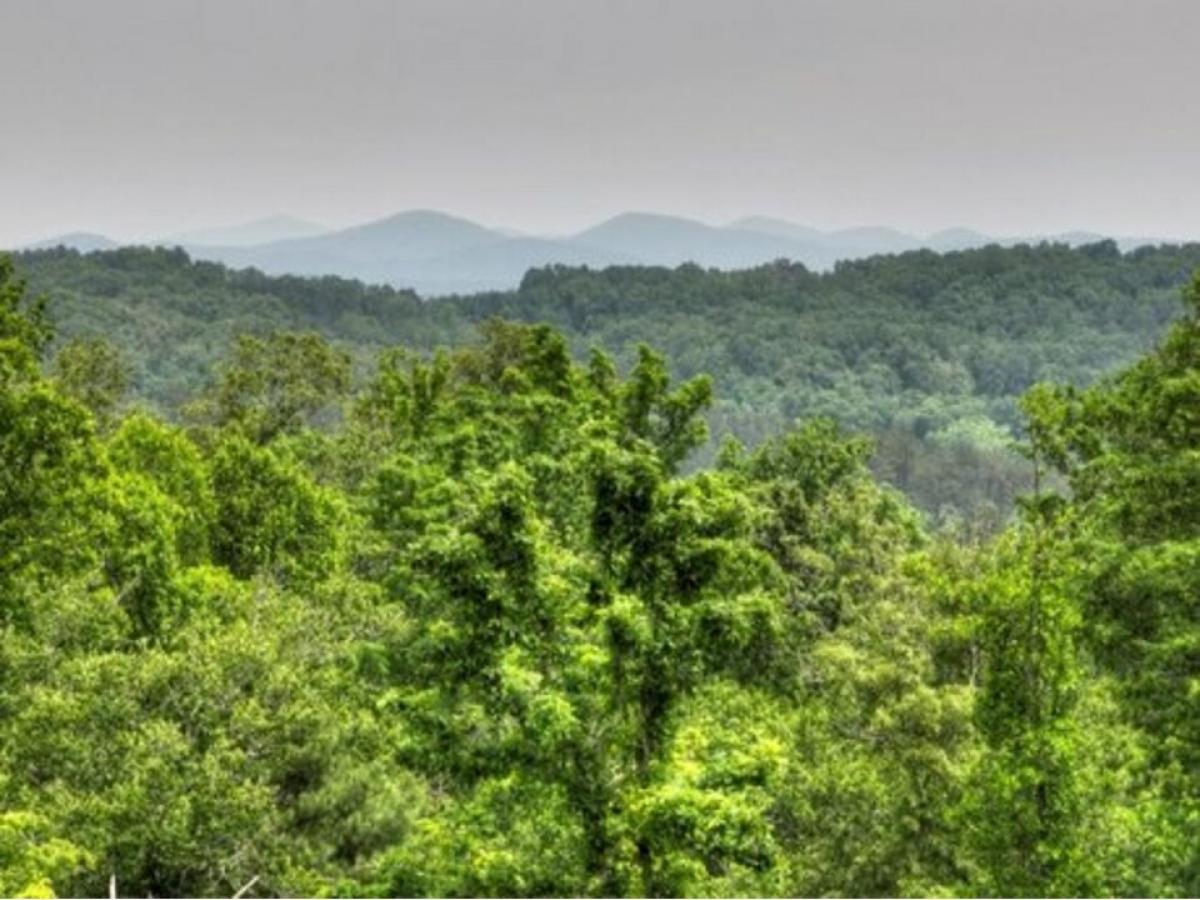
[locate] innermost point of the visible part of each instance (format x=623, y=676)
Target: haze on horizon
x=137, y=118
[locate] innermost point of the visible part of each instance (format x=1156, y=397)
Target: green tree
x=269, y=516
x=275, y=385
x=30, y=861
x=1129, y=449
x=93, y=372
x=25, y=330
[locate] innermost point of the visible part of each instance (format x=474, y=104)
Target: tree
x=30, y=861
x=274, y=386
x=1128, y=447
x=24, y=328
x=269, y=515
x=503, y=630
x=93, y=372
x=48, y=457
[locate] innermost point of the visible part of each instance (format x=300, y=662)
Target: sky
x=138, y=118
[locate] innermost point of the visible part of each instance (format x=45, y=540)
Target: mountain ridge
x=437, y=253
x=263, y=230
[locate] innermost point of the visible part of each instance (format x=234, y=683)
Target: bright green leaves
x=876, y=746
x=1131, y=449
x=510, y=836
x=669, y=420
x=497, y=607
x=166, y=457
x=142, y=556
x=404, y=394
x=880, y=746
x=487, y=635
x=32, y=861
x=129, y=783
x=269, y=515
x=813, y=458
x=247, y=747
x=709, y=593
x=1108, y=575
x=1028, y=631
x=1022, y=804
x=567, y=594
x=496, y=669
x=50, y=464
x=518, y=357
x=24, y=328
x=707, y=816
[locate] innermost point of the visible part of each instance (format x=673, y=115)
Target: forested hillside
x=926, y=352
x=475, y=623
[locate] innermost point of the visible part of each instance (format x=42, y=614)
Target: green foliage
x=50, y=467
x=505, y=837
x=24, y=329
x=1129, y=447
x=1022, y=803
x=495, y=631
x=30, y=862
x=274, y=386
x=93, y=372
x=905, y=347
x=269, y=515
x=163, y=455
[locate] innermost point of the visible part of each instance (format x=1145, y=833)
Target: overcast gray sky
x=139, y=117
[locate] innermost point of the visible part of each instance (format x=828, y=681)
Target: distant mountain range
x=260, y=231
x=435, y=253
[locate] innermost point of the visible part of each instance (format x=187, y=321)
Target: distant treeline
x=926, y=352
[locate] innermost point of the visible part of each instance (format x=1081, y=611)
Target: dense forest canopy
x=475, y=623
x=927, y=352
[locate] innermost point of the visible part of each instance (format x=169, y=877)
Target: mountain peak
x=635, y=222
x=778, y=228
x=420, y=220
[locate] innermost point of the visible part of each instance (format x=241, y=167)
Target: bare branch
x=245, y=887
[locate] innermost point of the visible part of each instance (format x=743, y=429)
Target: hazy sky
x=139, y=117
